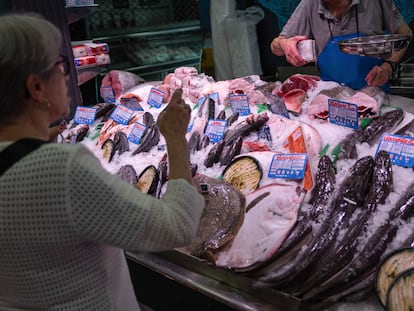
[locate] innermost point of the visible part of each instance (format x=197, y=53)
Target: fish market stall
x=308, y=184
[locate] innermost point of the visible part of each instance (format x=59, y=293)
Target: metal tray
x=381, y=46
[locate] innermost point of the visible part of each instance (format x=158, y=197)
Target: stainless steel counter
x=229, y=288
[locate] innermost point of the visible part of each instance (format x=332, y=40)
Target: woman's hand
x=173, y=124
x=173, y=120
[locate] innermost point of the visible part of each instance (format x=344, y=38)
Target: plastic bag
x=240, y=29
x=219, y=10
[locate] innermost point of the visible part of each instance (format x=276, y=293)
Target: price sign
x=343, y=113
x=155, y=98
x=215, y=130
x=291, y=166
x=400, y=149
x=84, y=115
x=240, y=103
x=136, y=133
x=121, y=114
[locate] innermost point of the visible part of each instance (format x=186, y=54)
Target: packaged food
x=306, y=49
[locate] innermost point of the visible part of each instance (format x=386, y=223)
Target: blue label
x=190, y=126
x=400, y=148
x=290, y=166
x=343, y=113
x=136, y=133
x=240, y=103
x=108, y=94
x=121, y=115
x=84, y=115
x=155, y=98
x=131, y=103
x=277, y=105
x=215, y=130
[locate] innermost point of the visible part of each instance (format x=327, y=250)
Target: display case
x=149, y=38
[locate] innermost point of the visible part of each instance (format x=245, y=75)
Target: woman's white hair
x=28, y=44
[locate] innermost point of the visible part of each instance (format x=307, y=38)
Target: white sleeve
x=104, y=208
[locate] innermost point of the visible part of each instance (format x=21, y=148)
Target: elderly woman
x=331, y=21
x=64, y=220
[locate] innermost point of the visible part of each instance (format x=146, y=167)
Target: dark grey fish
x=128, y=174
x=232, y=118
x=229, y=152
x=221, y=218
x=350, y=195
x=104, y=110
x=324, y=186
x=345, y=249
x=121, y=142
x=194, y=142
x=205, y=141
x=214, y=154
x=346, y=148
x=371, y=253
x=221, y=115
x=149, y=139
x=384, y=123
x=250, y=124
x=162, y=174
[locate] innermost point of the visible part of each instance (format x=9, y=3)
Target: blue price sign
x=84, y=115
x=215, y=130
x=291, y=166
x=343, y=113
x=155, y=98
x=400, y=148
x=240, y=103
x=136, y=133
x=108, y=94
x=121, y=115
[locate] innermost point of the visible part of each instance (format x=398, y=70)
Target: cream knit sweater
x=64, y=223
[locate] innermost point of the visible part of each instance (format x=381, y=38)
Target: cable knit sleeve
x=104, y=208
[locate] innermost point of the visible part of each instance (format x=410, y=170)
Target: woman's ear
x=35, y=88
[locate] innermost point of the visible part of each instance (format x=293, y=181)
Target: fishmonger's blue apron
x=347, y=69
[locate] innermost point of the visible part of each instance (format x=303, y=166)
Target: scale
x=380, y=46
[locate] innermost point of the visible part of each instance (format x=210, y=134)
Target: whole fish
x=214, y=154
x=384, y=123
x=339, y=256
x=250, y=124
x=371, y=253
x=350, y=195
x=221, y=219
x=324, y=186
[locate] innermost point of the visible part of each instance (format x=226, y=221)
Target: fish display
x=318, y=238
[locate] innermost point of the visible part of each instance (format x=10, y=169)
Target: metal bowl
x=381, y=46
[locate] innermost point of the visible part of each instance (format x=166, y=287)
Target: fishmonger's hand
x=288, y=47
